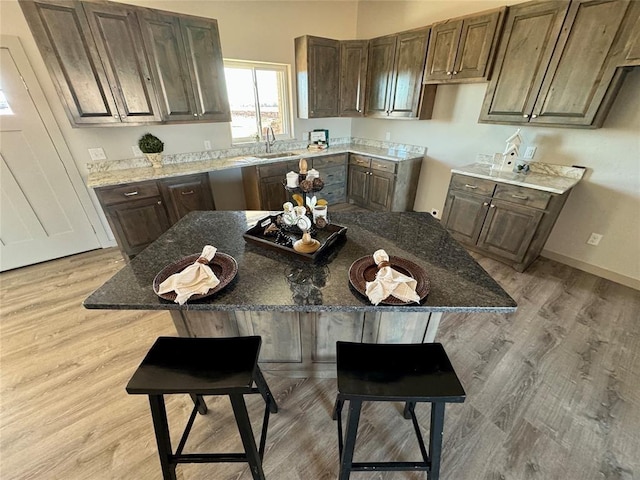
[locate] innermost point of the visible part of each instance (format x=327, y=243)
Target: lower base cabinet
x=506, y=222
x=138, y=213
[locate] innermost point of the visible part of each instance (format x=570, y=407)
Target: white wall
x=607, y=201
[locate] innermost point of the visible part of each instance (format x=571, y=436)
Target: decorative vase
x=155, y=159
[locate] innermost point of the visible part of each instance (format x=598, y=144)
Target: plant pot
x=155, y=159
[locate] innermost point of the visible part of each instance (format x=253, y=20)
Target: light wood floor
x=553, y=390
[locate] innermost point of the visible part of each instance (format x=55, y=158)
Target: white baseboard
x=600, y=272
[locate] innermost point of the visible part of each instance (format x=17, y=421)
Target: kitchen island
x=300, y=308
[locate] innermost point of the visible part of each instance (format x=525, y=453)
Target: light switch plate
x=97, y=154
x=529, y=153
x=207, y=144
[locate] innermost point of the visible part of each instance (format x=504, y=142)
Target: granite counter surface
x=104, y=175
x=543, y=176
x=272, y=281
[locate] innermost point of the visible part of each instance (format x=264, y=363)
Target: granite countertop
x=272, y=281
x=542, y=176
x=102, y=174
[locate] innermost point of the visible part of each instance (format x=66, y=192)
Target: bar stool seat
x=198, y=367
x=409, y=373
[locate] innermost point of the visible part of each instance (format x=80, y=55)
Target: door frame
x=41, y=103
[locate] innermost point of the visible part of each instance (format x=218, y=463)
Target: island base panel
x=303, y=344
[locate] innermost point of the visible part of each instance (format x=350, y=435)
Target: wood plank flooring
x=553, y=390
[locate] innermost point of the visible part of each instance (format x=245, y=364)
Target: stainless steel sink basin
x=278, y=155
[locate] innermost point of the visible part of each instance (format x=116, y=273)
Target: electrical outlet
x=136, y=151
x=97, y=154
x=435, y=212
x=529, y=153
x=207, y=145
x=387, y=136
x=594, y=239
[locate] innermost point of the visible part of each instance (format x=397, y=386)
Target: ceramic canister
x=313, y=173
x=292, y=179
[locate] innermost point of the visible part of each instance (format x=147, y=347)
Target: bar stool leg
x=435, y=438
x=198, y=400
x=161, y=428
x=262, y=385
x=246, y=434
x=353, y=418
x=408, y=408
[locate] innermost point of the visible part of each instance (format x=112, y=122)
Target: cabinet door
x=476, y=43
x=509, y=229
x=380, y=76
x=353, y=76
x=186, y=194
x=380, y=188
x=272, y=193
x=408, y=69
x=63, y=36
x=117, y=35
x=464, y=214
x=137, y=223
x=441, y=55
x=324, y=79
x=527, y=43
x=167, y=56
x=358, y=185
x=578, y=78
x=204, y=57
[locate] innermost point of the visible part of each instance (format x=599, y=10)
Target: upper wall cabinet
x=317, y=64
x=555, y=64
x=187, y=66
x=353, y=77
x=109, y=71
x=396, y=66
x=461, y=50
x=96, y=60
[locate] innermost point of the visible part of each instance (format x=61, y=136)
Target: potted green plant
x=152, y=148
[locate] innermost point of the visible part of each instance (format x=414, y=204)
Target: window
x=259, y=98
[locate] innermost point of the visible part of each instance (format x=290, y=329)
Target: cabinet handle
x=115, y=116
x=195, y=114
x=190, y=192
x=455, y=73
x=470, y=186
x=485, y=203
x=521, y=197
x=525, y=115
x=448, y=73
x=493, y=206
x=159, y=202
x=130, y=194
x=534, y=116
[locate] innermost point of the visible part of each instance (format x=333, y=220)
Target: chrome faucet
x=269, y=139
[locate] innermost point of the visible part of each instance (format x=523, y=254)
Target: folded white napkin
x=197, y=278
x=390, y=282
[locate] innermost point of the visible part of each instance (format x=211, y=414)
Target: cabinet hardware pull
x=521, y=197
x=455, y=73
x=534, y=116
x=116, y=116
x=159, y=202
x=195, y=114
x=493, y=206
x=190, y=192
x=485, y=203
x=448, y=73
x=130, y=194
x=470, y=186
x=525, y=115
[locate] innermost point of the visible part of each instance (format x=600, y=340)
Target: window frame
x=283, y=70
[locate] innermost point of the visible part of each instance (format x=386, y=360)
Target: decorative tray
x=364, y=270
x=327, y=236
x=223, y=266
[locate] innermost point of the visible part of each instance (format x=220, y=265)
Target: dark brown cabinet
x=383, y=185
x=317, y=64
x=353, y=77
x=116, y=64
x=187, y=63
x=545, y=75
x=96, y=60
x=264, y=185
x=140, y=212
x=507, y=222
x=394, y=79
x=333, y=171
x=461, y=50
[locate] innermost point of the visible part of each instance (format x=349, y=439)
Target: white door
x=41, y=217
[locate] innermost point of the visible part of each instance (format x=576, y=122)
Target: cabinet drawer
x=360, y=160
x=334, y=175
x=383, y=165
x=475, y=185
x=333, y=194
x=273, y=169
x=329, y=161
x=125, y=193
x=522, y=196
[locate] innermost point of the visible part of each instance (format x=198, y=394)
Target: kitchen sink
x=278, y=155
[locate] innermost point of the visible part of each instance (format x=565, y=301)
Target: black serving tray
x=327, y=236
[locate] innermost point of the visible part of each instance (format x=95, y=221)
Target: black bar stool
x=204, y=366
x=407, y=373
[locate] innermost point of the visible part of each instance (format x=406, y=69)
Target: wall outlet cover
x=207, y=144
x=97, y=154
